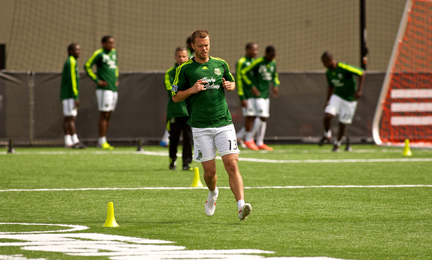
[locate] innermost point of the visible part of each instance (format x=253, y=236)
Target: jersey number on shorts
x=232, y=144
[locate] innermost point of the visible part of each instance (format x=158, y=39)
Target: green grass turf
x=348, y=223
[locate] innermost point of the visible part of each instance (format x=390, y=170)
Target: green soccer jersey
x=207, y=108
x=244, y=93
x=343, y=81
x=70, y=80
x=107, y=69
x=263, y=73
x=173, y=109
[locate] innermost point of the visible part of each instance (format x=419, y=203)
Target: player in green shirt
x=258, y=77
x=342, y=96
x=244, y=94
x=177, y=117
x=106, y=79
x=69, y=95
x=190, y=50
x=202, y=82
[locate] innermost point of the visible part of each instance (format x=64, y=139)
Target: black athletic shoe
x=187, y=168
x=335, y=148
x=79, y=145
x=324, y=140
x=172, y=166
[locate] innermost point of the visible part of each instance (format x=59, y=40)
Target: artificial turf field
x=372, y=203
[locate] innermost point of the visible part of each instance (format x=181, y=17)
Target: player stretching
x=244, y=94
x=258, y=76
x=202, y=82
x=107, y=85
x=69, y=95
x=342, y=96
x=177, y=117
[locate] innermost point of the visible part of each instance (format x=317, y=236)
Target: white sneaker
x=210, y=205
x=245, y=211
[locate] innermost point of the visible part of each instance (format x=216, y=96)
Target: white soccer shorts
x=345, y=109
x=107, y=100
x=207, y=140
x=69, y=108
x=259, y=107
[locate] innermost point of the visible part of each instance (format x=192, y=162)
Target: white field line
x=250, y=188
x=243, y=151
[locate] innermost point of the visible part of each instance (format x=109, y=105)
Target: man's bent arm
x=182, y=95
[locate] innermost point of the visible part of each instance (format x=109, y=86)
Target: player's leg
x=226, y=145
x=187, y=144
x=69, y=112
x=205, y=153
x=242, y=133
x=330, y=111
x=174, y=128
x=105, y=103
x=264, y=113
x=251, y=126
x=67, y=132
x=346, y=115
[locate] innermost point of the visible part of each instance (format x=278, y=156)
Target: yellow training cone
x=110, y=221
x=407, y=151
x=196, y=181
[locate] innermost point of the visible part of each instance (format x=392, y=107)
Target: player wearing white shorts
x=342, y=96
x=69, y=95
x=244, y=93
x=106, y=79
x=258, y=77
x=202, y=82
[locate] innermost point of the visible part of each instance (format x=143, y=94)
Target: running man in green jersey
x=251, y=53
x=202, y=82
x=69, y=95
x=258, y=77
x=342, y=96
x=177, y=117
x=106, y=79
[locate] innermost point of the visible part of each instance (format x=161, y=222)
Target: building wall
x=37, y=32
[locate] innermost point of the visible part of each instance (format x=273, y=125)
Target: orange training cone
x=196, y=181
x=407, y=151
x=110, y=221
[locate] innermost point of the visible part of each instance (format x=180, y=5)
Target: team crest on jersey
x=340, y=75
x=217, y=71
x=174, y=88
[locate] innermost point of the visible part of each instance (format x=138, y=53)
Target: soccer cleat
x=68, y=146
x=79, y=145
x=105, y=145
x=210, y=205
x=335, y=148
x=348, y=148
x=187, y=168
x=172, y=166
x=245, y=211
x=251, y=145
x=265, y=147
x=324, y=140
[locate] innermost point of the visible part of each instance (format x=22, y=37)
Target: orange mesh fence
x=407, y=109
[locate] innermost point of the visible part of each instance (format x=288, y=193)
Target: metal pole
x=363, y=34
x=31, y=78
